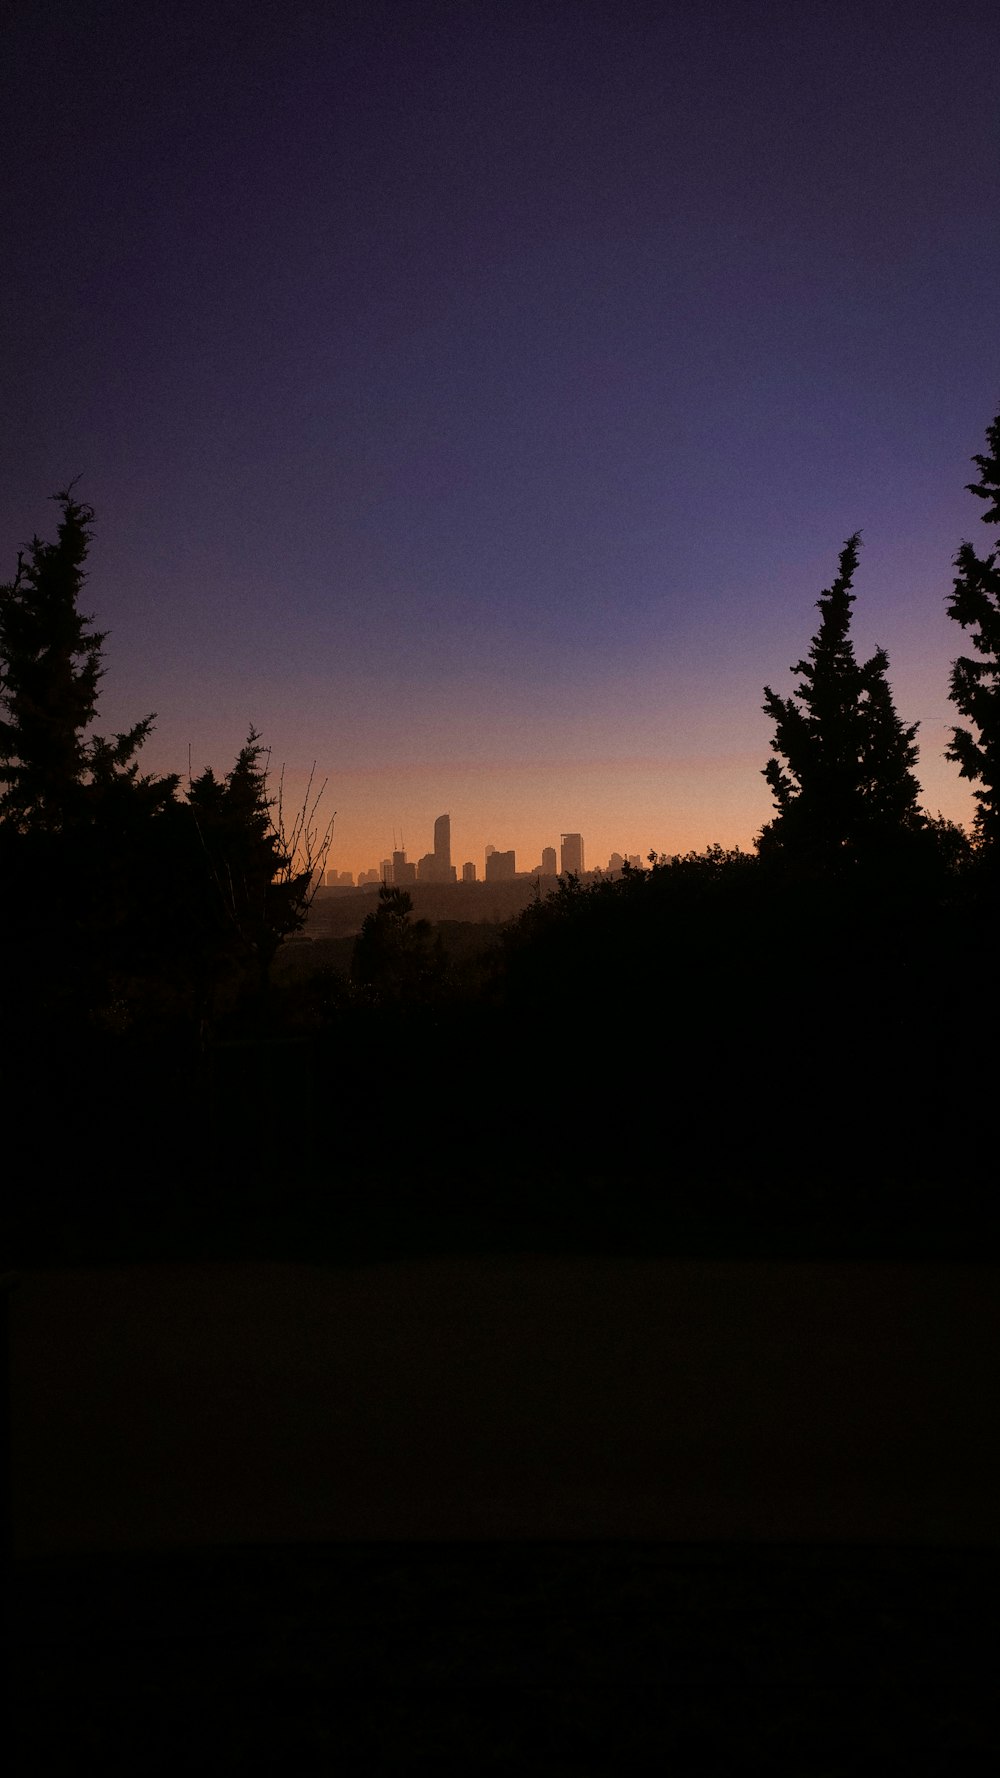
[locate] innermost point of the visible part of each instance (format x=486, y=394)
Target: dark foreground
x=562, y=1658
x=506, y=1515
x=470, y=1398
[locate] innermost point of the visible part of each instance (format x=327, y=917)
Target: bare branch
x=304, y=849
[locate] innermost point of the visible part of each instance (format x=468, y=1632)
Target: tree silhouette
x=51, y=662
x=261, y=883
x=975, y=684
x=842, y=778
x=76, y=817
x=397, y=957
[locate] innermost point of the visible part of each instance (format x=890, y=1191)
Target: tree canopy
x=51, y=662
x=974, y=603
x=120, y=894
x=259, y=893
x=396, y=957
x=842, y=778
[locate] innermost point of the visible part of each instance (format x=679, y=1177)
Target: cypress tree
x=80, y=830
x=974, y=603
x=51, y=663
x=842, y=777
x=257, y=891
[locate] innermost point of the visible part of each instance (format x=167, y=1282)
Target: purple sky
x=477, y=397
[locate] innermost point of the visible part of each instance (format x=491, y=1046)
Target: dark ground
x=562, y=1658
x=564, y=1134
x=142, y=1643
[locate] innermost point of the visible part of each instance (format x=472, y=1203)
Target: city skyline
x=498, y=864
x=477, y=402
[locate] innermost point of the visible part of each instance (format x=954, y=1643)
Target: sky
x=476, y=397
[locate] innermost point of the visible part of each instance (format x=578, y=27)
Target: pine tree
x=51, y=663
x=889, y=789
x=80, y=829
x=842, y=778
x=975, y=684
x=258, y=892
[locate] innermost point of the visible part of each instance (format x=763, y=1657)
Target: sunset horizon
x=477, y=404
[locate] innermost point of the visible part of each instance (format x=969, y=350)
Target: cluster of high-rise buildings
x=500, y=867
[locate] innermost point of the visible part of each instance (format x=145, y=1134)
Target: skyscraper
x=548, y=861
x=571, y=854
x=442, y=848
x=500, y=867
x=436, y=866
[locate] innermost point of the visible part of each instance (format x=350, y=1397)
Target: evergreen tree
x=842, y=778
x=76, y=818
x=50, y=667
x=975, y=684
x=889, y=790
x=258, y=894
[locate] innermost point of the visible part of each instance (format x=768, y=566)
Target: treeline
x=819, y=1015
x=128, y=905
x=814, y=1017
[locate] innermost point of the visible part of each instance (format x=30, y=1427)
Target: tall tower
x=442, y=848
x=571, y=862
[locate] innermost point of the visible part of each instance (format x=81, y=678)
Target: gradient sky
x=476, y=397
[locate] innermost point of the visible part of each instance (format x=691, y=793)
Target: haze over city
x=477, y=399
x=497, y=864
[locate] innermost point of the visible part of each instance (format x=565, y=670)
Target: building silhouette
x=500, y=867
x=571, y=856
x=549, y=868
x=468, y=873
x=436, y=866
x=442, y=848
